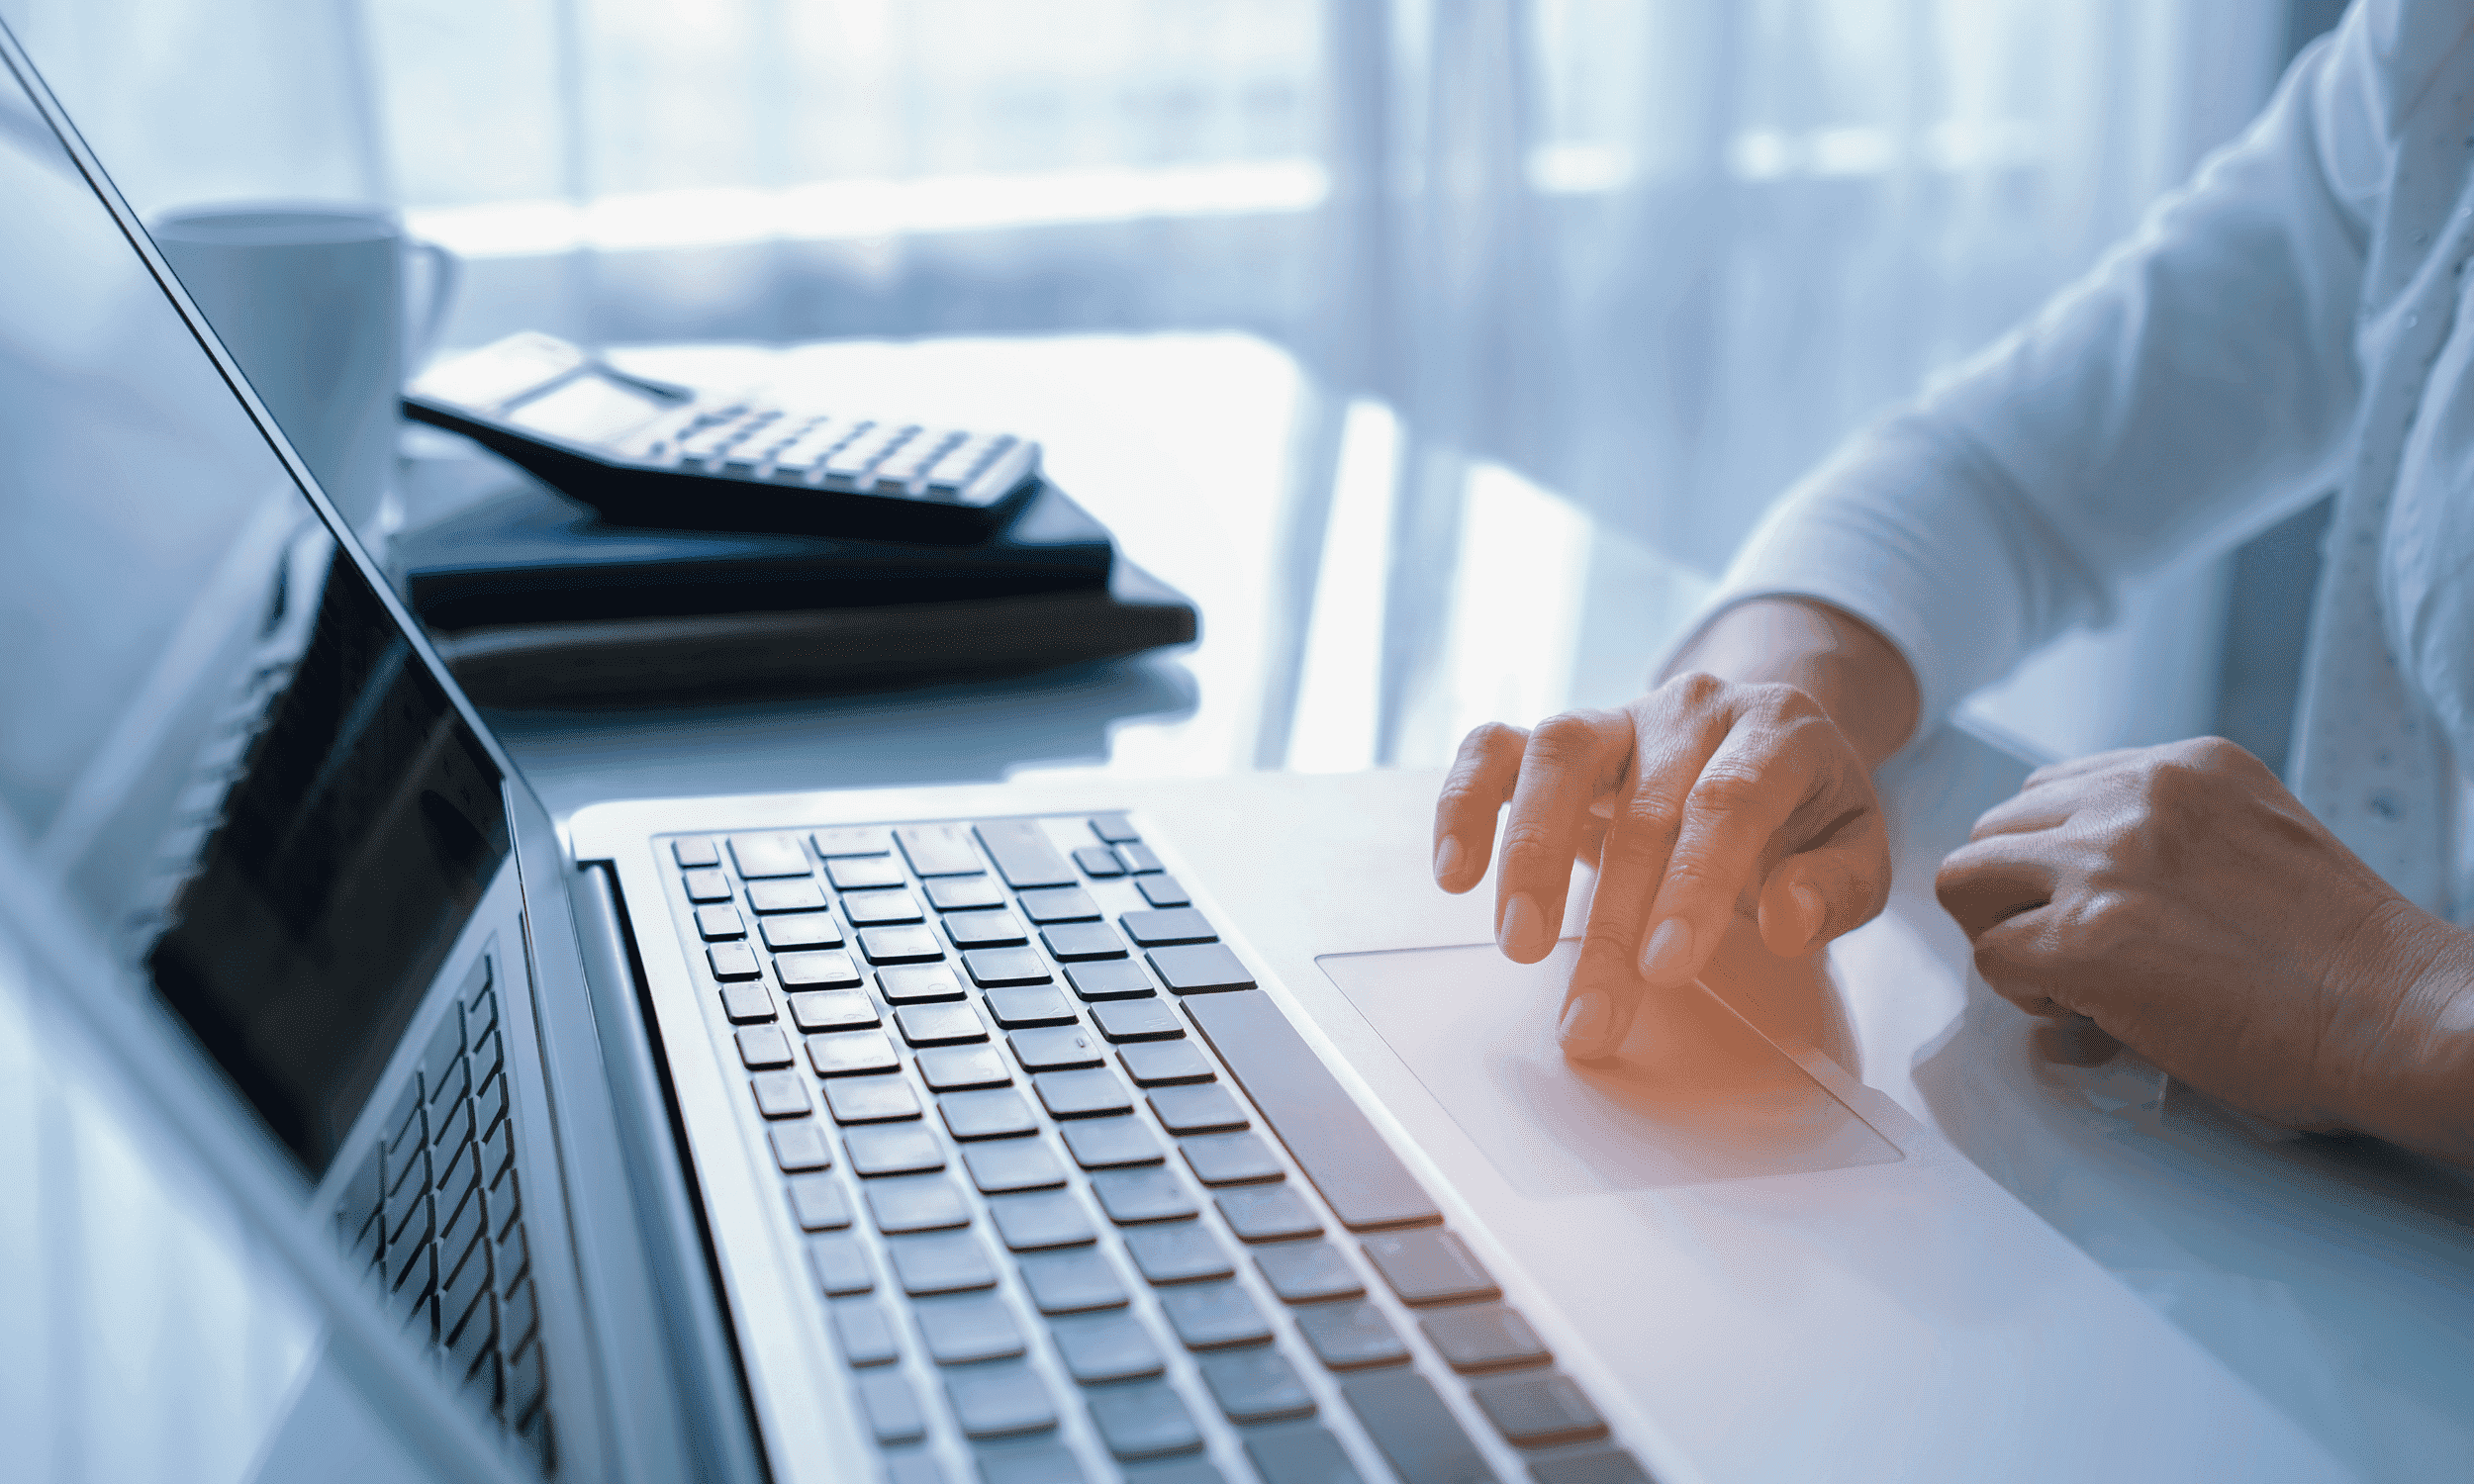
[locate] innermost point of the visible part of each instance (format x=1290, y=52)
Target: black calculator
x=646, y=452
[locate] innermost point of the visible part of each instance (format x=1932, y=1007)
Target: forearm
x=1860, y=678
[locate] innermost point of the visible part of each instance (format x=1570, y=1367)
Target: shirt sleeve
x=2201, y=379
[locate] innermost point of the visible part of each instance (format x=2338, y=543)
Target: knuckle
x=1725, y=789
x=1527, y=838
x=1488, y=738
x=1563, y=739
x=1695, y=687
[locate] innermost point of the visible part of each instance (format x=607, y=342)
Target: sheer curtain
x=1653, y=255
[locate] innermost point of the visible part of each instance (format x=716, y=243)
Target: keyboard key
x=1198, y=968
x=862, y=840
x=1031, y=1223
x=1113, y=827
x=1148, y=1419
x=1415, y=1432
x=962, y=894
x=743, y=1003
x=859, y=872
x=892, y=1148
x=1430, y=1267
x=1168, y=925
x=892, y=1408
x=819, y=1203
x=489, y=1052
x=994, y=967
x=696, y=851
x=1059, y=904
x=1136, y=858
x=840, y=1264
x=870, y=908
x=994, y=928
x=1165, y=1064
x=490, y=1109
x=1000, y=1114
x=1359, y=1176
x=1022, y=854
x=919, y=985
x=1256, y=1386
x=1081, y=1094
x=1079, y=942
x=940, y=1025
x=938, y=849
x=1098, y=861
x=781, y=1094
x=832, y=1010
x=999, y=1401
x=1351, y=1335
x=1059, y=1050
x=842, y=1053
x=1187, y=1252
x=1593, y=1467
x=800, y=930
x=1539, y=1411
x=1483, y=1338
x=1307, y=1272
x=1268, y=1213
x=1162, y=891
x=1041, y=1463
x=707, y=885
x=1034, y=1005
x=454, y=1129
x=1137, y=1020
x=877, y=1099
x=899, y=945
x=1214, y=1316
x=786, y=897
x=799, y=1147
x=955, y=1263
x=759, y=856
x=1231, y=1159
x=1304, y=1456
x=525, y=1384
x=733, y=961
x=1196, y=1110
x=916, y=1203
x=1111, y=1142
x=717, y=923
x=1132, y=1196
x=960, y=1066
x=968, y=1328
x=825, y=970
x=1013, y=1165
x=1073, y=1281
x=1108, y=978
x=1103, y=1347
x=763, y=1048
x=865, y=1334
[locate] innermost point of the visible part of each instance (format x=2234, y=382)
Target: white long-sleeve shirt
x=2293, y=320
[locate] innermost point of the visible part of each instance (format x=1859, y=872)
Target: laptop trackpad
x=1695, y=1094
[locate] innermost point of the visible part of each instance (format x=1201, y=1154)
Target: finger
x=1822, y=893
x=1605, y=989
x=2045, y=807
x=1473, y=794
x=1746, y=791
x=1569, y=759
x=2069, y=767
x=1992, y=881
x=2012, y=958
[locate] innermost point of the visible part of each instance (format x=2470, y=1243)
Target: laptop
x=1172, y=1131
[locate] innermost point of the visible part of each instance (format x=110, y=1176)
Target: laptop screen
x=212, y=732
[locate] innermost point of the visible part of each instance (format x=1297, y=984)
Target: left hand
x=2182, y=899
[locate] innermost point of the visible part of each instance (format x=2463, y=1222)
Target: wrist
x=2412, y=1082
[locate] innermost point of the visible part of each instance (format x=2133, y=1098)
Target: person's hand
x=1698, y=801
x=2182, y=899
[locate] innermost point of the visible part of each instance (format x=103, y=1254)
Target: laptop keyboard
x=435, y=1214
x=1030, y=1113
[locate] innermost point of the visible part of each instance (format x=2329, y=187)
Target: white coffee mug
x=311, y=300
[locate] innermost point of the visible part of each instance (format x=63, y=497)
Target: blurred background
x=1594, y=278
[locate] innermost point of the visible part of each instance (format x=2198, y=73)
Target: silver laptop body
x=1167, y=1131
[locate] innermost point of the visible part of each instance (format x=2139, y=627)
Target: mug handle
x=445, y=270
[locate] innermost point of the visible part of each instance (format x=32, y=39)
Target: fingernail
x=1812, y=908
x=1586, y=1021
x=1522, y=922
x=1447, y=858
x=1668, y=951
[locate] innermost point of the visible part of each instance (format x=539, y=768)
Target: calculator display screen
x=588, y=409
x=219, y=749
